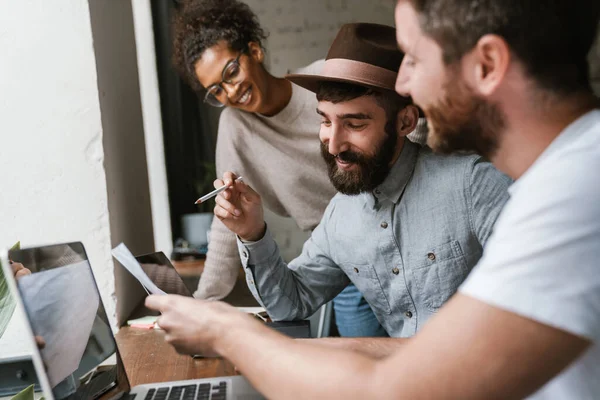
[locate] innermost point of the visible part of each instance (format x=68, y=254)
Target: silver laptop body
x=61, y=301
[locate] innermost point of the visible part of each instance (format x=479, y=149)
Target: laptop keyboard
x=202, y=391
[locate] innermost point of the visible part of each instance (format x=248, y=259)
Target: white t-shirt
x=543, y=259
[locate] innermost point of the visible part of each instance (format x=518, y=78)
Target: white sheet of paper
x=122, y=253
x=57, y=314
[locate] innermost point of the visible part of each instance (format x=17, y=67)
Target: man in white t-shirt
x=507, y=79
x=510, y=81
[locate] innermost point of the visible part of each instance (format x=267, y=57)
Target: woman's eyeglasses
x=216, y=95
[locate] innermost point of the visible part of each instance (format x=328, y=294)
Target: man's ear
x=486, y=66
x=256, y=52
x=407, y=120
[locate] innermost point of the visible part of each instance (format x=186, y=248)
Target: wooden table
x=189, y=267
x=149, y=359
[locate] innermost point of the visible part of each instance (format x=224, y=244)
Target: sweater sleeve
x=223, y=262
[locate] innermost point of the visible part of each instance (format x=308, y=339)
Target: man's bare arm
x=470, y=350
x=376, y=348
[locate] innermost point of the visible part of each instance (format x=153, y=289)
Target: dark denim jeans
x=354, y=317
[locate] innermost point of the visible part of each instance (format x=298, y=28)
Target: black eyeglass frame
x=210, y=98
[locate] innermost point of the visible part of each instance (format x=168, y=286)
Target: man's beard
x=464, y=122
x=371, y=171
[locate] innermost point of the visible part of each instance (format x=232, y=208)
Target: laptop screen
x=66, y=314
x=160, y=271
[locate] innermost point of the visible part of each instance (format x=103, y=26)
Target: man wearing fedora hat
x=407, y=225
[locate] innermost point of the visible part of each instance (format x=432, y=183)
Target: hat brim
x=312, y=82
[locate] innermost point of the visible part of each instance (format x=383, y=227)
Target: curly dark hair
x=200, y=24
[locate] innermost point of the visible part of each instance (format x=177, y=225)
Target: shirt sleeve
x=296, y=290
x=488, y=190
x=541, y=261
x=222, y=263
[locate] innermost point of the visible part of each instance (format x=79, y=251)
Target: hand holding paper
x=122, y=253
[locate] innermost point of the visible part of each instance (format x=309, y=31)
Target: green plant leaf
x=7, y=303
x=25, y=394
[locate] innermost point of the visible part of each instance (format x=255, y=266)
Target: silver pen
x=215, y=192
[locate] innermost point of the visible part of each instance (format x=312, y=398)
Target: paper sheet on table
x=122, y=253
x=57, y=314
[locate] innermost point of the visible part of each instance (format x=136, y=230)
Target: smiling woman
x=239, y=79
x=218, y=49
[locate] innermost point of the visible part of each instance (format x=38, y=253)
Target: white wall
x=72, y=145
x=51, y=157
x=122, y=125
x=130, y=211
x=302, y=31
x=153, y=130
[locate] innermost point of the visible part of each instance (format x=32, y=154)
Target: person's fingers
x=19, y=270
x=169, y=338
x=157, y=302
x=218, y=183
x=247, y=191
x=162, y=324
x=23, y=272
x=40, y=342
x=222, y=213
x=226, y=194
x=227, y=206
x=229, y=177
x=16, y=267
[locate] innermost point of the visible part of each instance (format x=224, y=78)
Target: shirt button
x=377, y=191
x=408, y=314
x=396, y=271
x=384, y=225
x=431, y=256
x=356, y=270
x=245, y=254
x=251, y=282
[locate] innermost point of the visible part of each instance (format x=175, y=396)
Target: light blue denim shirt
x=407, y=246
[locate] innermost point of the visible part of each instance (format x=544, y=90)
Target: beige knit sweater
x=280, y=158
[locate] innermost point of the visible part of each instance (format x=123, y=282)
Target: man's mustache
x=345, y=156
x=349, y=157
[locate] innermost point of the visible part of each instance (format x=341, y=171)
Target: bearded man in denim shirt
x=407, y=225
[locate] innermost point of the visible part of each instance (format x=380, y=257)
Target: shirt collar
x=393, y=186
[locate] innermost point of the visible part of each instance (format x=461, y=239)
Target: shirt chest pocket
x=438, y=272
x=364, y=277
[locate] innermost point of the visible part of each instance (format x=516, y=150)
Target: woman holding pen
x=268, y=133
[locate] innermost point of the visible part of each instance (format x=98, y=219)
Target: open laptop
x=72, y=339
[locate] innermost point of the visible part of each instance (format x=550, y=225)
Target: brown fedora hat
x=363, y=54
